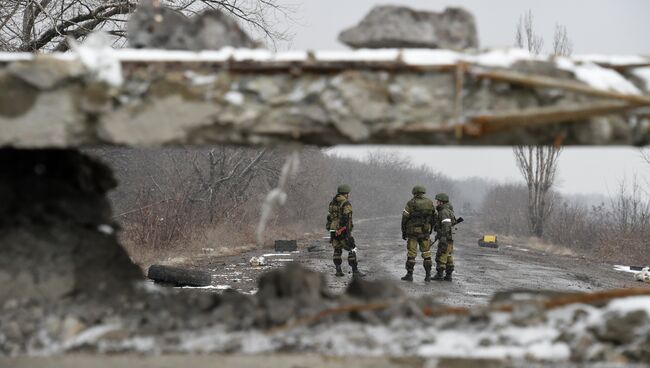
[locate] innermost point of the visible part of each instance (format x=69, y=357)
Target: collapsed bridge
x=56, y=229
x=383, y=96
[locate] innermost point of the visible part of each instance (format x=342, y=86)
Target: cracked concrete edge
x=246, y=361
x=49, y=102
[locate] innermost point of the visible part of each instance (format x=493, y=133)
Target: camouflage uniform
x=339, y=220
x=445, y=220
x=417, y=225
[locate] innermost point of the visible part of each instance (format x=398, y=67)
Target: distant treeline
x=174, y=201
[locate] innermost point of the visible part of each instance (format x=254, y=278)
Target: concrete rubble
x=155, y=26
x=386, y=96
x=402, y=27
x=294, y=312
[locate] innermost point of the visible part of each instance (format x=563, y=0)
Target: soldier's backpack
x=421, y=216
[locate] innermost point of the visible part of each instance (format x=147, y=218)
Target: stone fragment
x=369, y=290
x=402, y=27
x=155, y=26
x=292, y=282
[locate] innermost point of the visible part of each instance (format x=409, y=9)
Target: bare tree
x=525, y=36
x=31, y=25
x=562, y=45
x=538, y=165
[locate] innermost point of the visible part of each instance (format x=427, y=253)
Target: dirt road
x=480, y=272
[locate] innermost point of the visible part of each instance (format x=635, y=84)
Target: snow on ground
x=624, y=269
x=555, y=337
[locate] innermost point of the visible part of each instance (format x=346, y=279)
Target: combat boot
x=439, y=275
x=427, y=269
x=427, y=277
x=339, y=271
x=448, y=274
x=408, y=276
x=355, y=270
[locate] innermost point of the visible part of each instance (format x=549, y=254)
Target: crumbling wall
x=438, y=97
x=57, y=236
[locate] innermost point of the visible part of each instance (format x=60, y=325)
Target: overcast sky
x=594, y=26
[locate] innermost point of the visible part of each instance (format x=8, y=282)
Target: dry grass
x=214, y=241
x=537, y=244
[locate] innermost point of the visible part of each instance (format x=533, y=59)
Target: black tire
x=179, y=276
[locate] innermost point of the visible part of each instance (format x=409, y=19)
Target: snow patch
x=97, y=55
x=200, y=79
x=234, y=98
x=91, y=335
x=279, y=254
x=105, y=229
x=611, y=59
x=623, y=269
x=644, y=75
x=631, y=304
x=209, y=287
x=598, y=77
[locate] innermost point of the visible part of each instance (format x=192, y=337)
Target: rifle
x=458, y=221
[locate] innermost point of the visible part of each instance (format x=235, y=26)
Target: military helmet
x=442, y=197
x=418, y=189
x=343, y=189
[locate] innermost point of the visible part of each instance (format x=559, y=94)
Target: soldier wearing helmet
x=339, y=224
x=444, y=222
x=417, y=224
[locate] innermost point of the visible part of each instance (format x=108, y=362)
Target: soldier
x=339, y=224
x=417, y=225
x=445, y=220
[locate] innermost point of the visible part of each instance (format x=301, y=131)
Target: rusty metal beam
x=433, y=97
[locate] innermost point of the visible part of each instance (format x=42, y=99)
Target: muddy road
x=480, y=272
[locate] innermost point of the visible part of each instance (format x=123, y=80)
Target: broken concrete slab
x=254, y=97
x=154, y=25
x=402, y=27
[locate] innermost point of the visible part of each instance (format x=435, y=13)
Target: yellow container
x=490, y=238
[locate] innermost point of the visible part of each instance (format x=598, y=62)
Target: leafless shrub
x=617, y=231
x=211, y=197
x=562, y=45
x=525, y=36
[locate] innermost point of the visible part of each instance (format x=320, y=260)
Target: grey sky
x=594, y=26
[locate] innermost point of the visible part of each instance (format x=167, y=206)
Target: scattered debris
x=315, y=248
x=257, y=261
x=643, y=276
x=294, y=311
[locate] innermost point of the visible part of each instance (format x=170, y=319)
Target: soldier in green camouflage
x=417, y=224
x=445, y=220
x=340, y=225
